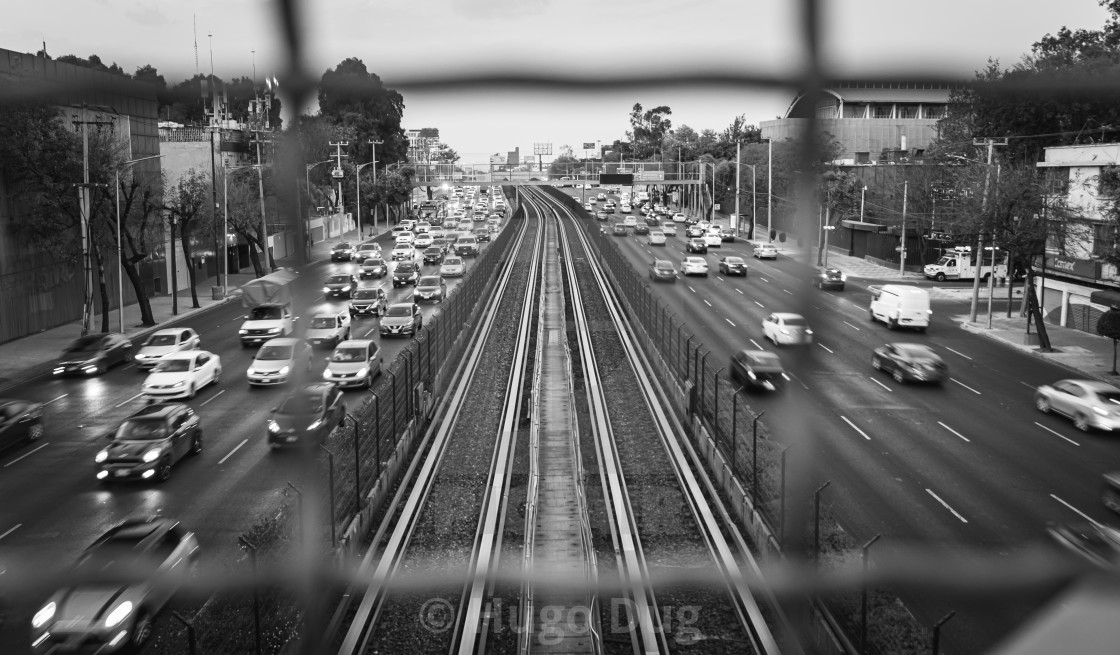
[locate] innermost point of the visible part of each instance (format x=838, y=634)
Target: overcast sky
x=397, y=38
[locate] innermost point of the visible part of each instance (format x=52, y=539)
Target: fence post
x=377, y=437
x=715, y=390
x=192, y=643
x=754, y=462
x=357, y=465
x=782, y=499
x=703, y=383
x=817, y=521
x=393, y=375
x=936, y=646
x=249, y=546
x=863, y=599
x=734, y=431
x=330, y=490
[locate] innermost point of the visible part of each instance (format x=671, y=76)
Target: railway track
x=530, y=522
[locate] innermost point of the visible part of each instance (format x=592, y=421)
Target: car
x=157, y=546
x=340, y=285
x=732, y=265
x=765, y=251
x=830, y=278
x=401, y=319
x=306, y=416
x=398, y=230
x=641, y=229
x=1094, y=542
x=437, y=233
x=696, y=245
x=452, y=267
x=374, y=267
x=1090, y=403
x=910, y=362
x=626, y=208
x=588, y=207
x=367, y=251
x=368, y=301
x=433, y=255
x=630, y=221
x=494, y=224
x=403, y=252
x=656, y=238
x=662, y=269
x=466, y=246
x=1110, y=490
x=94, y=354
x=465, y=226
x=406, y=273
x=591, y=200
x=405, y=237
x=694, y=266
x=182, y=374
x=692, y=220
x=693, y=232
x=601, y=215
x=21, y=421
x=601, y=196
x=422, y=226
x=619, y=230
x=163, y=342
x=329, y=329
x=442, y=244
x=712, y=239
x=482, y=234
x=278, y=361
x=759, y=369
x=669, y=229
x=679, y=217
x=342, y=252
x=783, y=328
x=727, y=234
x=149, y=442
x=422, y=240
x=451, y=224
x=354, y=363
x=429, y=287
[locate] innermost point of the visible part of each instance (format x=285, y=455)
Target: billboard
x=615, y=178
x=588, y=145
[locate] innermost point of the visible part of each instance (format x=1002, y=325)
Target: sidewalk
x=31, y=356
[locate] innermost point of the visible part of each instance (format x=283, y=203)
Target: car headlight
x=345, y=288
x=1100, y=412
x=101, y=456
x=362, y=372
x=243, y=331
x=285, y=370
x=273, y=330
x=252, y=371
x=178, y=384
x=808, y=331
x=315, y=424
x=119, y=614
x=843, y=277
x=327, y=373
x=273, y=426
x=152, y=455
x=326, y=289
x=46, y=613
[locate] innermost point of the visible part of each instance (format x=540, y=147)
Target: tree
x=187, y=200
x=352, y=97
x=243, y=204
x=141, y=230
x=1109, y=326
x=647, y=129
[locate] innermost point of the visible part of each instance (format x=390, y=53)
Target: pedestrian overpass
x=574, y=174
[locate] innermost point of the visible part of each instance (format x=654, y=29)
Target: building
x=876, y=123
x=1077, y=285
x=35, y=290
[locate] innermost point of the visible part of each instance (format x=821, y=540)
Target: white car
x=784, y=328
x=592, y=200
x=422, y=240
x=423, y=226
x=679, y=218
x=626, y=208
x=656, y=238
x=694, y=266
x=408, y=224
x=277, y=361
x=405, y=237
x=601, y=196
x=452, y=267
x=182, y=374
x=328, y=329
x=669, y=229
x=713, y=240
x=166, y=341
x=765, y=251
x=403, y=252
x=465, y=226
x=588, y=207
x=630, y=221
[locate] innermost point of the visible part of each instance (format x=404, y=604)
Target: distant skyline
x=423, y=37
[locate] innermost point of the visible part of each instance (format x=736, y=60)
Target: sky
x=401, y=39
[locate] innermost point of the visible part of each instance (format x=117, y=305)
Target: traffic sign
x=336, y=173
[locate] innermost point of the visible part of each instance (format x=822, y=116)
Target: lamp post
x=861, y=192
x=827, y=230
x=358, y=187
x=769, y=189
x=120, y=245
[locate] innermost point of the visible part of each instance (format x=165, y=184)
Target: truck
x=269, y=300
x=959, y=264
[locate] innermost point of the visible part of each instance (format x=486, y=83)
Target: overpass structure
x=644, y=173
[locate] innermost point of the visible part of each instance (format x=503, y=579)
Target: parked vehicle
x=900, y=305
x=960, y=264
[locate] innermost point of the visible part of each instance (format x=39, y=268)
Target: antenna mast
x=196, y=44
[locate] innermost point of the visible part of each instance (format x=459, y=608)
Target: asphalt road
x=966, y=465
x=54, y=507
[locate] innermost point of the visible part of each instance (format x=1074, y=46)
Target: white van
x=900, y=305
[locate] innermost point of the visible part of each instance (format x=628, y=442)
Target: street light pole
x=358, y=187
x=769, y=189
x=738, y=181
x=120, y=245
x=861, y=192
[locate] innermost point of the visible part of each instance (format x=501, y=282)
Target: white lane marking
x=235, y=449
x=826, y=348
x=17, y=526
x=799, y=381
x=813, y=306
x=760, y=304
x=852, y=326
x=131, y=399
x=740, y=291
x=719, y=278
x=966, y=386
x=946, y=506
x=756, y=344
x=1029, y=386
x=707, y=303
x=879, y=383
x=861, y=432
x=954, y=432
x=212, y=397
x=958, y=352
x=369, y=332
x=54, y=399
x=128, y=367
x=1057, y=434
x=27, y=454
x=691, y=289
x=788, y=291
x=764, y=280
x=1076, y=511
x=729, y=321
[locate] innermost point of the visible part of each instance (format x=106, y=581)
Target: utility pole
x=978, y=258
x=738, y=181
x=902, y=251
x=337, y=174
x=769, y=189
x=84, y=208
x=268, y=262
x=215, y=129
x=374, y=174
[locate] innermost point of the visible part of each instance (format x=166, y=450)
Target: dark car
x=94, y=354
x=340, y=286
x=696, y=245
x=732, y=266
x=641, y=228
x=830, y=278
x=115, y=617
x=370, y=301
x=691, y=220
x=306, y=416
x=694, y=232
x=149, y=442
x=406, y=273
x=619, y=230
x=482, y=234
x=758, y=368
x=429, y=287
x=374, y=267
x=342, y=252
x=601, y=215
x=662, y=269
x=1095, y=543
x=20, y=421
x=910, y=362
x=401, y=319
x=727, y=235
x=433, y=255
x=652, y=221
